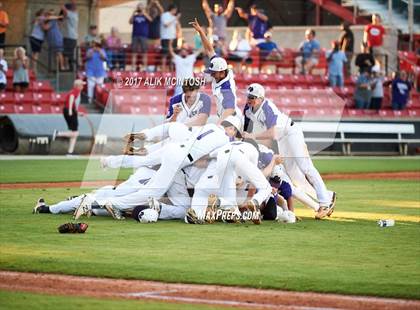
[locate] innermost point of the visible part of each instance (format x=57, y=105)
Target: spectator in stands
x=115, y=51
x=377, y=88
x=309, y=52
x=4, y=23
x=155, y=10
x=257, y=22
x=184, y=66
x=219, y=17
x=347, y=45
x=401, y=88
x=3, y=71
x=168, y=26
x=20, y=70
x=373, y=37
x=70, y=32
x=54, y=37
x=269, y=49
x=95, y=71
x=362, y=93
x=37, y=36
x=364, y=60
x=91, y=36
x=336, y=59
x=70, y=112
x=239, y=50
x=140, y=20
x=191, y=107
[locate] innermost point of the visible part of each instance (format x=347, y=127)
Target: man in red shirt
x=374, y=37
x=70, y=112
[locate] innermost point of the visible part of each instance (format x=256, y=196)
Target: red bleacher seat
x=58, y=99
x=24, y=98
x=7, y=97
x=41, y=109
x=42, y=98
x=56, y=109
x=23, y=108
x=7, y=108
x=42, y=86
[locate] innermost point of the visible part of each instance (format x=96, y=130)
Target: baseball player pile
x=198, y=172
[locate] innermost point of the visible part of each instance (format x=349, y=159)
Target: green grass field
x=346, y=254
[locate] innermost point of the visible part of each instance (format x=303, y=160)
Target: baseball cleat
x=154, y=204
x=40, y=203
x=84, y=208
x=115, y=213
x=322, y=212
x=253, y=207
x=332, y=205
x=191, y=217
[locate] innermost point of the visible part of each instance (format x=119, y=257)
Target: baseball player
x=235, y=159
x=177, y=194
x=269, y=123
x=191, y=107
x=173, y=158
x=223, y=84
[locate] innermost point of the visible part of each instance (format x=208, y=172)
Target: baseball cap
x=215, y=37
x=376, y=68
x=235, y=122
x=217, y=64
x=256, y=90
x=268, y=34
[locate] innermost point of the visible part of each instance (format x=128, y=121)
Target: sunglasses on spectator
x=252, y=97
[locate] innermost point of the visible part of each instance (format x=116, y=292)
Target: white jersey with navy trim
x=225, y=93
x=266, y=117
x=202, y=104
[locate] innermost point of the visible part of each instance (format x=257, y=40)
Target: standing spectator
x=115, y=52
x=91, y=36
x=70, y=32
x=363, y=93
x=377, y=88
x=54, y=37
x=155, y=10
x=3, y=70
x=37, y=36
x=347, y=45
x=168, y=25
x=184, y=66
x=309, y=52
x=4, y=23
x=364, y=60
x=20, y=70
x=70, y=112
x=95, y=71
x=140, y=21
x=373, y=36
x=336, y=60
x=257, y=22
x=219, y=17
x=401, y=88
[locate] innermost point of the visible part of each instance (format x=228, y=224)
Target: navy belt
x=292, y=123
x=190, y=157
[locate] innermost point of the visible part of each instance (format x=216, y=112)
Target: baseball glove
x=72, y=228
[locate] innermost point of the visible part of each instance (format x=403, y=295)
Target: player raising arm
x=223, y=83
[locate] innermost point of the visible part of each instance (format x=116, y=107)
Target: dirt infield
x=408, y=175
x=188, y=293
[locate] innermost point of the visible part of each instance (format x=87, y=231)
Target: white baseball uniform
x=291, y=145
x=173, y=157
x=225, y=93
x=235, y=159
x=202, y=104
